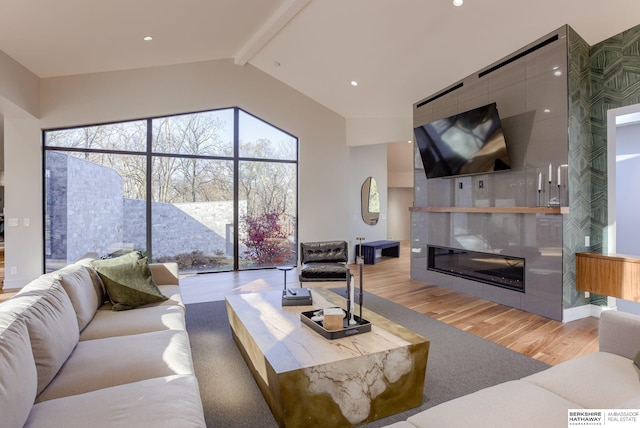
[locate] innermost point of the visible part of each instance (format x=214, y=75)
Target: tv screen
x=466, y=143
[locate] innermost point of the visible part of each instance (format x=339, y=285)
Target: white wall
x=23, y=201
x=367, y=131
x=19, y=88
x=399, y=221
x=324, y=175
x=627, y=185
x=627, y=202
x=366, y=161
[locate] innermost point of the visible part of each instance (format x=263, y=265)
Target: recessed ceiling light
x=354, y=83
x=458, y=2
x=410, y=142
x=147, y=38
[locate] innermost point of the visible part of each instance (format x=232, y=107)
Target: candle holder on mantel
x=552, y=201
x=540, y=190
x=549, y=194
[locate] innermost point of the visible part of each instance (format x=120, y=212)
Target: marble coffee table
x=308, y=380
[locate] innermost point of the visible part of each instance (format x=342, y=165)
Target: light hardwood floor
x=541, y=338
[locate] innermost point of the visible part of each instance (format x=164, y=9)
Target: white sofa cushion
x=507, y=405
x=633, y=403
x=582, y=380
x=102, y=363
x=172, y=401
x=18, y=376
x=618, y=333
x=84, y=290
x=144, y=319
x=173, y=293
x=51, y=322
x=165, y=273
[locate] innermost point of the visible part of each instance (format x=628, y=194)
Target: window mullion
x=149, y=192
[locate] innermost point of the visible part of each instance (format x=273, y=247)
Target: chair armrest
x=165, y=273
x=619, y=333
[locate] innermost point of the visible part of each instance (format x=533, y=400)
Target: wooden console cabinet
x=615, y=275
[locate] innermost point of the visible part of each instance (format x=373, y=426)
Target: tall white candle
x=351, y=291
x=352, y=308
x=550, y=173
x=559, y=177
x=539, y=181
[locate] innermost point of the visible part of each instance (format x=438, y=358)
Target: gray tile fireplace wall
x=530, y=89
x=553, y=96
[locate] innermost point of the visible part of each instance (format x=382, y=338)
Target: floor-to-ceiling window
x=213, y=191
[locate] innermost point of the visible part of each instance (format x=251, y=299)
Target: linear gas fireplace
x=490, y=268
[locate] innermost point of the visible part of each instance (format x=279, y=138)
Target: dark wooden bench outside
x=389, y=249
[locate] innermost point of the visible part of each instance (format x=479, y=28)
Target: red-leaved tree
x=266, y=240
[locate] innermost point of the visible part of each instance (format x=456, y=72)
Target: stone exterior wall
x=86, y=214
x=89, y=214
x=183, y=228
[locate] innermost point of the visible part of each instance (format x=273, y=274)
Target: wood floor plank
x=541, y=338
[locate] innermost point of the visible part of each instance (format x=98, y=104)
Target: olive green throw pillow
x=127, y=281
x=636, y=360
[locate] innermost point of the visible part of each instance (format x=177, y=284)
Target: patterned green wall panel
x=577, y=223
x=615, y=82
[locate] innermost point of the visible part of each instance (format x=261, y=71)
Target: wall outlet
x=587, y=241
x=14, y=270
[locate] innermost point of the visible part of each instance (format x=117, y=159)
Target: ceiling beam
x=272, y=26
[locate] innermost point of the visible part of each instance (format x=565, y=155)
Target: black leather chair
x=323, y=261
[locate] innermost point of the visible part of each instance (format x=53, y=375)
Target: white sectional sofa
x=607, y=379
x=68, y=360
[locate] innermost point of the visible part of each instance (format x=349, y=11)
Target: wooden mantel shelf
x=499, y=210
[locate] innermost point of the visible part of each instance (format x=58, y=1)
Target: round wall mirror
x=370, y=201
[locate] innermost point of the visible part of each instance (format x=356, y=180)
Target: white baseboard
x=584, y=311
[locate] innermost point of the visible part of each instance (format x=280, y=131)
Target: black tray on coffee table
x=362, y=326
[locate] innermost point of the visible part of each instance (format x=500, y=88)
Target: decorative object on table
x=333, y=319
x=360, y=262
x=294, y=296
x=315, y=320
x=352, y=302
x=285, y=269
x=297, y=297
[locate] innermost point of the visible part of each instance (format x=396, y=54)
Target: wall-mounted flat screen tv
x=466, y=143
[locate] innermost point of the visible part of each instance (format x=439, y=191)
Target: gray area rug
x=459, y=363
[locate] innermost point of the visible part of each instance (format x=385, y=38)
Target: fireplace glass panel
x=490, y=268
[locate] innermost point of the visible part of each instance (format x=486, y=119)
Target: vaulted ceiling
x=399, y=51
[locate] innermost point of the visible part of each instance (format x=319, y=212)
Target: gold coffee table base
x=308, y=380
